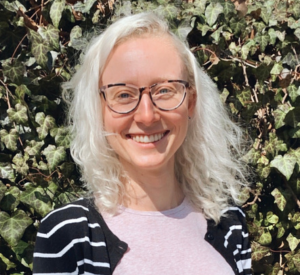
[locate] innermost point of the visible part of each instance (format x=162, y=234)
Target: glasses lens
x=168, y=95
x=122, y=99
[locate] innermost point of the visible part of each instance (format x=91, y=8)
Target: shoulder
x=230, y=237
x=80, y=213
x=68, y=239
x=233, y=216
x=232, y=222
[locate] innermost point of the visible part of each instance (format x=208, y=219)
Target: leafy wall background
x=250, y=48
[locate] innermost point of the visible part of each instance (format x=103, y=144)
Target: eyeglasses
x=123, y=98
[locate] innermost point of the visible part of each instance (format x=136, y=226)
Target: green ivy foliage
x=250, y=48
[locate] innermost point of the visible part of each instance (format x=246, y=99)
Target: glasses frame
x=142, y=89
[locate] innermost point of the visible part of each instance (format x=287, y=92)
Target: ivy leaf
x=263, y=160
x=84, y=7
x=7, y=262
x=19, y=114
x=76, y=33
x=224, y=95
x=273, y=36
x=292, y=23
x=292, y=241
x=284, y=164
x=13, y=6
x=245, y=51
x=66, y=197
x=228, y=8
x=61, y=136
x=46, y=123
x=35, y=37
x=54, y=156
x=11, y=199
x=296, y=153
x=9, y=139
x=56, y=11
x=13, y=70
x=20, y=164
x=252, y=156
x=265, y=15
x=6, y=171
x=258, y=251
x=39, y=50
x=294, y=92
x=3, y=190
x=294, y=8
x=213, y=10
x=13, y=227
x=263, y=171
x=51, y=35
x=280, y=231
x=280, y=113
x=244, y=97
x=272, y=218
x=36, y=197
x=295, y=133
x=274, y=145
x=296, y=260
x=279, y=199
x=263, y=40
x=21, y=91
x=281, y=35
x=51, y=189
x=265, y=238
x=292, y=118
x=43, y=166
x=277, y=68
x=297, y=33
x=238, y=25
x=200, y=6
x=204, y=29
x=34, y=147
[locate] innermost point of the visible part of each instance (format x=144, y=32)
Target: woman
x=156, y=150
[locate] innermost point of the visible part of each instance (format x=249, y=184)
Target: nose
x=146, y=112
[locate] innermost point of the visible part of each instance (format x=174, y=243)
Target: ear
x=192, y=99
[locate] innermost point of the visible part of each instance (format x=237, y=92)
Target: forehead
x=144, y=60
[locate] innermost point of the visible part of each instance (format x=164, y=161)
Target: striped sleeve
x=231, y=239
x=69, y=242
x=239, y=237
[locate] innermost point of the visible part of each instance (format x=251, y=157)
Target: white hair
x=207, y=164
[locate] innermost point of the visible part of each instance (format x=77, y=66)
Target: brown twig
x=279, y=251
x=40, y=173
x=252, y=202
x=245, y=75
x=27, y=20
x=295, y=54
x=7, y=91
x=41, y=17
x=285, y=95
x=204, y=49
x=12, y=57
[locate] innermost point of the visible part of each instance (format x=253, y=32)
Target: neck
x=153, y=190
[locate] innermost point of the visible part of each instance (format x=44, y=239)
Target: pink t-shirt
x=166, y=243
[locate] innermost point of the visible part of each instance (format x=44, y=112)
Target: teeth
x=147, y=139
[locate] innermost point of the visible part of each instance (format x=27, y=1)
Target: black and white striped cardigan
x=74, y=239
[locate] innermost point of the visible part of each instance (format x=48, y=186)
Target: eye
x=124, y=95
x=164, y=90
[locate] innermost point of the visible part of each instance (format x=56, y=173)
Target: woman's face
x=143, y=62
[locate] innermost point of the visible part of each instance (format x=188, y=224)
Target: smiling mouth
x=148, y=138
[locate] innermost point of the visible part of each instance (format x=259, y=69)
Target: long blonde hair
x=207, y=164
